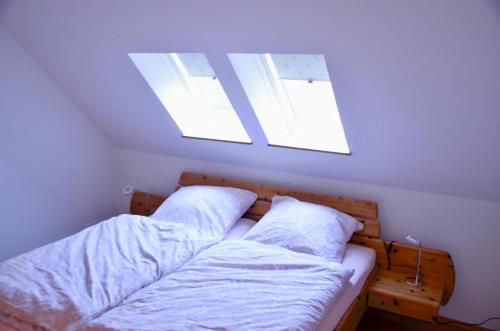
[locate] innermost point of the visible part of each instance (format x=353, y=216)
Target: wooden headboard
x=365, y=211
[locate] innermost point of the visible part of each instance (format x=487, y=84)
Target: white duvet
x=69, y=282
x=234, y=285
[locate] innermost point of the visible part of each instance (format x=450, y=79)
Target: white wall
x=468, y=229
x=416, y=82
x=56, y=168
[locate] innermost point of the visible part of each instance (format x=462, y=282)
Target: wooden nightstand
x=389, y=290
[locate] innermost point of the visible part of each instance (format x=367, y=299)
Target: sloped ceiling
x=417, y=82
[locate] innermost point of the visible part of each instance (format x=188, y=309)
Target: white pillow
x=207, y=209
x=305, y=227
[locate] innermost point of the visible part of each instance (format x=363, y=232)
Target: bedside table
x=389, y=290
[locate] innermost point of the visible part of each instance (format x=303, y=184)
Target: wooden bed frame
x=365, y=211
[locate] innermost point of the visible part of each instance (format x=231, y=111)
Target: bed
x=347, y=309
x=350, y=307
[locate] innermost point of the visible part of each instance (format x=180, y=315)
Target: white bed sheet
x=362, y=260
x=240, y=228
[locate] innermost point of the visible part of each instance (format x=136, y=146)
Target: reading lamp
x=417, y=282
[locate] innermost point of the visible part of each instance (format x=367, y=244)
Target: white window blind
x=188, y=88
x=293, y=99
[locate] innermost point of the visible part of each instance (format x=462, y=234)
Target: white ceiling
x=417, y=82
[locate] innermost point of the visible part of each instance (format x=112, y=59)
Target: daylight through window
x=190, y=91
x=293, y=98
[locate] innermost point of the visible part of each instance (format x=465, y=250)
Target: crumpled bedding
x=234, y=285
x=67, y=283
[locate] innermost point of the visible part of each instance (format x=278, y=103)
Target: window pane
x=293, y=99
x=188, y=88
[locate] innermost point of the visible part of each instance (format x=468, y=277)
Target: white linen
x=234, y=285
x=60, y=285
x=361, y=260
x=209, y=207
x=236, y=232
x=240, y=228
x=305, y=227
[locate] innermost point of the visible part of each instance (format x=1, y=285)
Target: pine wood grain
x=356, y=310
x=389, y=291
x=356, y=207
x=365, y=211
x=377, y=245
x=435, y=264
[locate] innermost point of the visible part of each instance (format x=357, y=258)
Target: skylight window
x=293, y=99
x=190, y=91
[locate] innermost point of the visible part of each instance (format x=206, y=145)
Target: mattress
x=362, y=260
x=240, y=228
